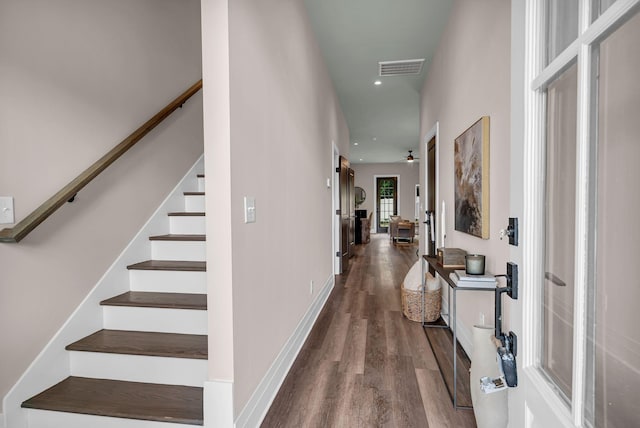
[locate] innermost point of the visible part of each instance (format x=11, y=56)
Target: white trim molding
x=434, y=132
x=258, y=405
x=218, y=404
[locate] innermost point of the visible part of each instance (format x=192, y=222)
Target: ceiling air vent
x=400, y=68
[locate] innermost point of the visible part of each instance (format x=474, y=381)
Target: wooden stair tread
x=120, y=399
x=176, y=265
x=200, y=175
x=148, y=299
x=193, y=193
x=177, y=237
x=186, y=214
x=144, y=343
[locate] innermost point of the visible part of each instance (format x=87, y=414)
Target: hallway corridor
x=364, y=364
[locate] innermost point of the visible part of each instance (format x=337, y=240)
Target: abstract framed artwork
x=471, y=181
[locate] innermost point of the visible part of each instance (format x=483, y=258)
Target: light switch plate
x=6, y=210
x=249, y=209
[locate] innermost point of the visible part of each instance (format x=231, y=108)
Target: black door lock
x=509, y=349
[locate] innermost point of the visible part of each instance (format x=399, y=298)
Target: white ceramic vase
x=490, y=409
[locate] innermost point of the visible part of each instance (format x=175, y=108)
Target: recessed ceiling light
x=378, y=82
x=374, y=139
x=360, y=159
x=355, y=144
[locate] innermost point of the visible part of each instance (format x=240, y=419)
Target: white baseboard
x=258, y=405
x=218, y=404
x=463, y=332
x=465, y=338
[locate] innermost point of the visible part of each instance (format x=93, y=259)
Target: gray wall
x=469, y=77
x=77, y=77
x=270, y=139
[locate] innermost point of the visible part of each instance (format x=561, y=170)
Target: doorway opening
x=430, y=200
x=430, y=193
x=386, y=201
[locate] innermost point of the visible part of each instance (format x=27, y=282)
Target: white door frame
x=534, y=403
x=434, y=132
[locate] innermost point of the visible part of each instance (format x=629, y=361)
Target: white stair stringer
x=161, y=320
x=139, y=368
x=178, y=250
x=187, y=225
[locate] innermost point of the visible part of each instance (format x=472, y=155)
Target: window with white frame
x=586, y=169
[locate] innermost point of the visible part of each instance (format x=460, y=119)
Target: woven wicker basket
x=412, y=304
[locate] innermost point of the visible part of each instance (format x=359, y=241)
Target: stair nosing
x=114, y=301
x=114, y=337
x=94, y=400
x=175, y=237
x=186, y=214
x=170, y=265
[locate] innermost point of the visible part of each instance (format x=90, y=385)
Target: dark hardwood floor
x=364, y=364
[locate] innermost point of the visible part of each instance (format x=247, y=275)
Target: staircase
x=146, y=367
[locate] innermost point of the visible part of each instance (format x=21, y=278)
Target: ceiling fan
x=410, y=158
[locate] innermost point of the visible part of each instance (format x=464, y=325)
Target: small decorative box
x=452, y=258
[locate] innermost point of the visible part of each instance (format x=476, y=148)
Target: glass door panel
x=617, y=242
x=598, y=7
x=560, y=196
x=562, y=25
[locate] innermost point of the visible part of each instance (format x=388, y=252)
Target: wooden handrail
x=40, y=214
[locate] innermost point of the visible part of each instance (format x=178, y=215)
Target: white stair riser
x=194, y=203
x=187, y=225
x=178, y=250
x=168, y=281
x=49, y=419
x=200, y=184
x=184, y=321
x=139, y=368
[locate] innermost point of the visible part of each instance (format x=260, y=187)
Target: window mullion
x=583, y=181
x=557, y=66
x=609, y=19
x=582, y=233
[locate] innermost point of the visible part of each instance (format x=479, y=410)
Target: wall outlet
x=6, y=210
x=311, y=287
x=249, y=209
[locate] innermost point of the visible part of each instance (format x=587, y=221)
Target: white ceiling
x=353, y=36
